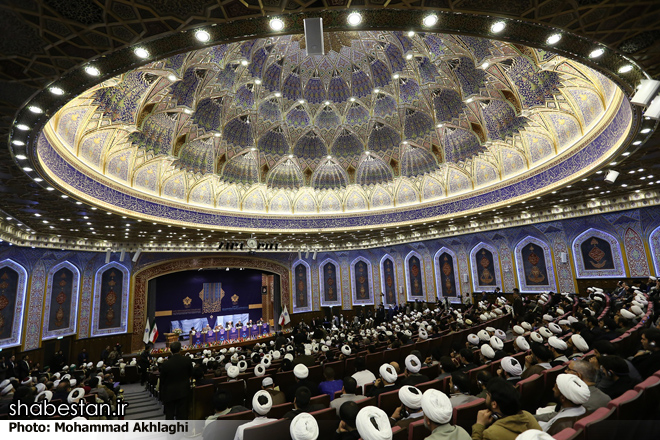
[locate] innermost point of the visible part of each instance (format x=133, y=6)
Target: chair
x=531, y=391
x=391, y=355
x=599, y=425
x=253, y=385
x=326, y=414
x=389, y=401
x=629, y=405
x=278, y=411
x=651, y=396
x=322, y=399
x=549, y=379
x=417, y=431
x=277, y=430
x=201, y=405
x=474, y=386
x=373, y=361
x=567, y=434
x=338, y=367
x=236, y=390
x=466, y=414
x=367, y=401
x=428, y=385
x=399, y=434
x=243, y=415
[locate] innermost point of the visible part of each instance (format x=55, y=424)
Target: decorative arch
x=447, y=280
x=61, y=311
x=13, y=289
x=388, y=279
x=302, y=287
x=597, y=254
x=485, y=267
x=414, y=272
x=362, y=282
x=654, y=244
x=534, y=266
x=138, y=312
x=329, y=283
x=104, y=319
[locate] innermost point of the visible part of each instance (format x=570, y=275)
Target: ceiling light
x=202, y=36
x=637, y=143
x=553, y=39
x=301, y=101
x=22, y=127
x=430, y=20
x=93, y=71
x=35, y=109
x=641, y=170
x=276, y=24
x=278, y=94
x=64, y=196
x=439, y=125
x=21, y=157
x=187, y=111
x=409, y=56
x=624, y=185
x=497, y=27
x=485, y=65
x=646, y=130
x=17, y=142
x=38, y=179
x=141, y=52
x=376, y=90
x=411, y=33
x=27, y=169
x=396, y=76
x=56, y=91
x=214, y=134
x=244, y=62
x=612, y=163
x=257, y=81
x=627, y=153
x=171, y=77
x=625, y=69
x=352, y=99
x=329, y=157
x=597, y=52
x=354, y=18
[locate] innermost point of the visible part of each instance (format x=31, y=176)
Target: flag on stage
x=284, y=317
x=147, y=332
x=154, y=333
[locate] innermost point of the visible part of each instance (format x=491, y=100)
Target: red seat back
x=599, y=425
x=629, y=405
x=531, y=391
x=389, y=401
x=417, y=431
x=466, y=414
x=568, y=434
x=277, y=430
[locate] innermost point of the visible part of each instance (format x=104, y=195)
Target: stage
x=160, y=348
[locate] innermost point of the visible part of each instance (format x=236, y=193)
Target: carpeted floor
x=142, y=405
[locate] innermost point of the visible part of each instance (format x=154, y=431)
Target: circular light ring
x=22, y=127
x=35, y=109
x=56, y=91
x=626, y=68
x=202, y=36
x=18, y=143
x=430, y=20
x=553, y=39
x=354, y=18
x=276, y=24
x=92, y=71
x=597, y=52
x=141, y=52
x=498, y=27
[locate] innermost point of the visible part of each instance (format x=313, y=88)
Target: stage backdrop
x=207, y=294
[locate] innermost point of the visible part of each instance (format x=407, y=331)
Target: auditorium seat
x=367, y=401
x=629, y=405
x=374, y=361
x=434, y=383
x=494, y=366
x=466, y=415
x=338, y=368
x=349, y=366
x=277, y=430
x=417, y=430
x=651, y=397
x=201, y=405
x=424, y=348
x=284, y=380
x=366, y=388
x=278, y=411
x=236, y=390
x=389, y=401
x=568, y=434
x=474, y=386
x=531, y=390
x=549, y=379
x=600, y=424
x=429, y=371
x=253, y=385
x=399, y=434
x=326, y=414
x=316, y=374
x=391, y=355
x=243, y=415
x=322, y=399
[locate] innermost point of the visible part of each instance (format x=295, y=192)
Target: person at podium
x=228, y=325
x=239, y=324
x=207, y=328
x=192, y=333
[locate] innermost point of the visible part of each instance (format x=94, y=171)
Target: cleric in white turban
x=261, y=405
x=373, y=424
x=571, y=393
x=437, y=417
x=304, y=427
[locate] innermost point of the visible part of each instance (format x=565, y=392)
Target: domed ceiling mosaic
x=387, y=127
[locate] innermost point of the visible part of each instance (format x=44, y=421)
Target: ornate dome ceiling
x=258, y=135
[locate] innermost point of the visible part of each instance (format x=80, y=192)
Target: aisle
x=142, y=405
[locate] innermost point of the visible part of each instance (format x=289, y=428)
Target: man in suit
x=175, y=374
x=23, y=368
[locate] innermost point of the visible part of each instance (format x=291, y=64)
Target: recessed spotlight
x=276, y=24
x=625, y=69
x=38, y=179
x=27, y=169
x=56, y=91
x=469, y=100
x=376, y=90
x=327, y=102
x=18, y=143
x=597, y=52
x=409, y=56
x=624, y=185
x=187, y=111
x=171, y=77
x=141, y=52
x=627, y=153
x=244, y=62
x=278, y=94
x=202, y=36
x=411, y=34
x=301, y=101
x=553, y=39
x=613, y=163
x=485, y=65
x=217, y=135
x=352, y=99
x=93, y=71
x=328, y=157
x=637, y=143
x=50, y=188
x=257, y=81
x=20, y=157
x=22, y=127
x=439, y=125
x=396, y=76
x=646, y=130
x=35, y=109
x=497, y=27
x=354, y=18
x=430, y=20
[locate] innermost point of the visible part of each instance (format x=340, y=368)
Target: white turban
x=496, y=343
x=522, y=343
x=500, y=334
x=373, y=424
x=232, y=371
x=388, y=373
x=242, y=366
x=288, y=356
x=627, y=314
x=266, y=361
x=346, y=350
x=99, y=364
x=572, y=319
x=308, y=352
x=301, y=371
x=410, y=396
x=324, y=348
x=412, y=364
x=483, y=335
x=487, y=351
x=437, y=406
x=526, y=325
x=259, y=370
x=75, y=395
x=512, y=366
x=160, y=360
x=580, y=343
x=518, y=330
x=563, y=322
x=56, y=375
x=47, y=396
x=4, y=383
x=490, y=329
x=536, y=337
x=27, y=381
x=40, y=387
x=554, y=328
x=6, y=390
x=277, y=354
x=637, y=310
x=423, y=334
x=534, y=434
x=483, y=317
x=73, y=382
x=547, y=317
x=473, y=339
x=557, y=343
x=573, y=388
x=265, y=405
x=545, y=332
x=304, y=427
